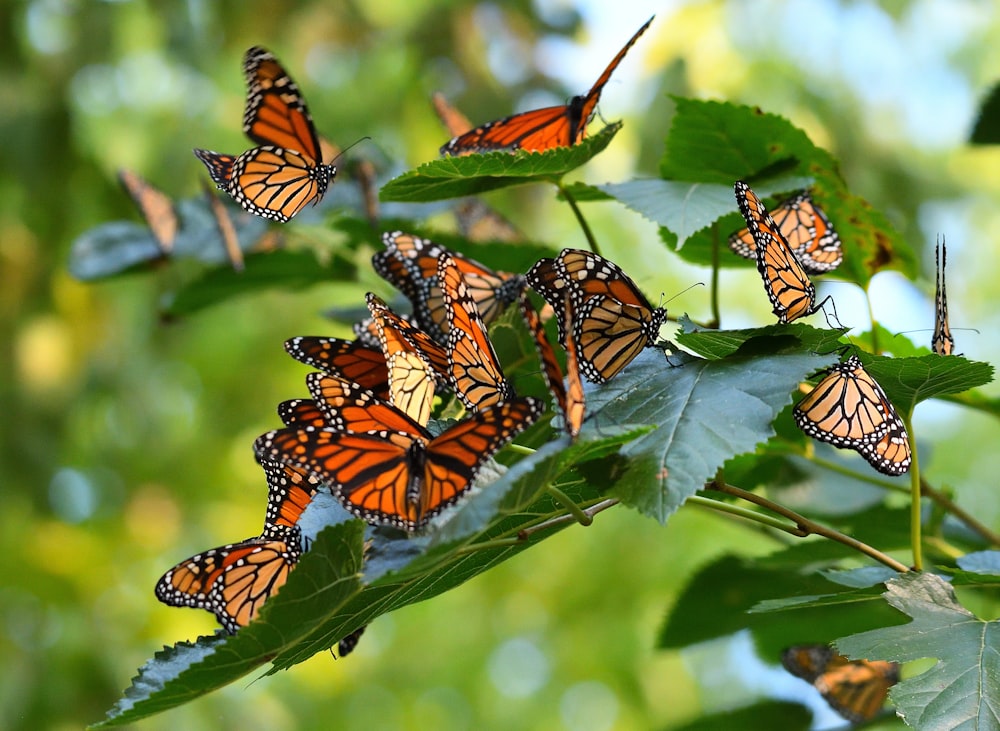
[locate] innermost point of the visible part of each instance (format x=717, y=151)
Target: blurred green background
x=126, y=441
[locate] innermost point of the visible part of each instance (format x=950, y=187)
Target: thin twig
x=950, y=506
x=593, y=510
x=807, y=525
x=579, y=217
x=714, y=286
x=916, y=516
x=582, y=517
x=753, y=515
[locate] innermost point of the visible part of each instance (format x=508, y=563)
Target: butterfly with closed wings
x=849, y=410
x=806, y=228
x=612, y=320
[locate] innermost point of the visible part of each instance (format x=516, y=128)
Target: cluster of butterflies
x=847, y=408
x=363, y=432
x=856, y=689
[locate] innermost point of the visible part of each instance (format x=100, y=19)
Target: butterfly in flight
x=155, y=206
x=410, y=264
x=849, y=410
x=286, y=172
x=540, y=129
x=568, y=396
x=942, y=342
x=807, y=230
x=399, y=475
x=856, y=689
x=612, y=320
x=789, y=288
x=234, y=581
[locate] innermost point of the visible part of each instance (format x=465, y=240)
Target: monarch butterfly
x=401, y=478
x=540, y=129
x=569, y=396
x=432, y=351
x=474, y=368
x=346, y=359
x=410, y=264
x=227, y=231
x=942, y=342
x=806, y=228
x=613, y=320
x=788, y=287
x=856, y=689
x=234, y=580
x=848, y=409
x=155, y=206
x=411, y=377
x=277, y=179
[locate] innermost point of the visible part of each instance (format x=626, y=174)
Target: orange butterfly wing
x=546, y=355
x=401, y=478
x=576, y=405
x=475, y=372
x=232, y=581
x=348, y=407
x=302, y=412
x=290, y=490
x=613, y=319
x=155, y=206
x=276, y=112
x=849, y=409
x=346, y=359
x=806, y=228
x=856, y=689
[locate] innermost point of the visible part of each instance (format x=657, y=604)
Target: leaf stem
x=520, y=449
x=926, y=490
x=808, y=526
x=746, y=513
x=582, y=517
x=915, y=513
x=591, y=241
x=714, y=285
x=593, y=510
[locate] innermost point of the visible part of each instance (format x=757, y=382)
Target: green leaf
x=908, y=381
x=452, y=177
x=119, y=246
x=706, y=412
x=720, y=142
x=962, y=688
x=981, y=562
x=717, y=142
x=763, y=716
x=716, y=603
x=286, y=269
x=716, y=344
x=987, y=129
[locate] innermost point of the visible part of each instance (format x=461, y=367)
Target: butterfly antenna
x=344, y=151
